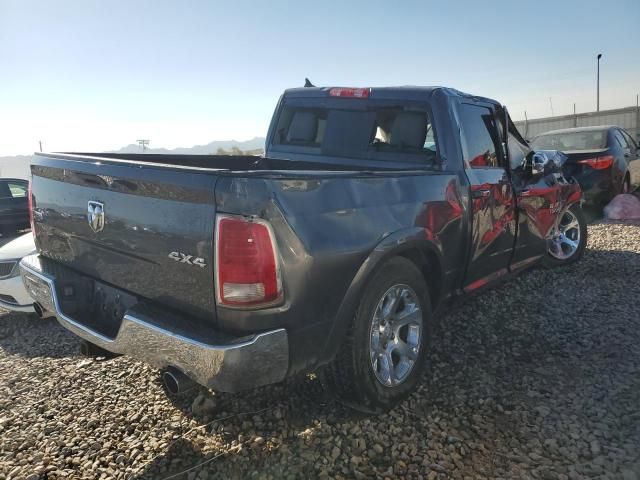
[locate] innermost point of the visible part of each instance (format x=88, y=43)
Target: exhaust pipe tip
x=176, y=382
x=40, y=311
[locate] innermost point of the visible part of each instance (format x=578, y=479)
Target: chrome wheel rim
x=396, y=333
x=565, y=239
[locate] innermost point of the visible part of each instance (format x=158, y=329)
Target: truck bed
x=236, y=163
x=158, y=208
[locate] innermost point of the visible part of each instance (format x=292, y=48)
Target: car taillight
x=598, y=163
x=30, y=204
x=247, y=267
x=349, y=92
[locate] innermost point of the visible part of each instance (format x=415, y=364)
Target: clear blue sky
x=94, y=75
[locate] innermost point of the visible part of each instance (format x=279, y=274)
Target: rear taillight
x=30, y=203
x=349, y=92
x=598, y=163
x=247, y=267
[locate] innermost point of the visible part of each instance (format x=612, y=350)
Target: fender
x=392, y=245
x=574, y=195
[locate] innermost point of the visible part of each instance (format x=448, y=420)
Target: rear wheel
x=626, y=185
x=383, y=355
x=568, y=239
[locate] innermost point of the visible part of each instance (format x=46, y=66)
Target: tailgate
x=146, y=229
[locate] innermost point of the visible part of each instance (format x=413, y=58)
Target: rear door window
x=480, y=137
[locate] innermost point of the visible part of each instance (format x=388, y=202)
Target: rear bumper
x=217, y=361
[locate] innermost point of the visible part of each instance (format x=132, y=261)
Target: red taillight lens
x=349, y=92
x=598, y=163
x=30, y=203
x=246, y=263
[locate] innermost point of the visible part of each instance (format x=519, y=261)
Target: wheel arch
x=411, y=244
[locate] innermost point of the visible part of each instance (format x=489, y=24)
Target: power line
x=143, y=143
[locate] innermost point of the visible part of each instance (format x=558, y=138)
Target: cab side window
x=480, y=137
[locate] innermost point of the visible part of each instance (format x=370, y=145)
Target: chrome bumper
x=223, y=364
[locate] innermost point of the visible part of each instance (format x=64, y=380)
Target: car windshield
x=585, y=140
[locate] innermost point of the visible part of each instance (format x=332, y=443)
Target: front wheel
x=383, y=356
x=567, y=241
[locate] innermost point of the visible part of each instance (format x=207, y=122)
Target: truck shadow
x=539, y=344
x=295, y=406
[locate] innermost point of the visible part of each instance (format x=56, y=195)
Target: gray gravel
x=539, y=378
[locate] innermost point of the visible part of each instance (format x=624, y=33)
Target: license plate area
x=94, y=304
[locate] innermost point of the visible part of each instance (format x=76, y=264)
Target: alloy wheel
x=565, y=240
x=396, y=335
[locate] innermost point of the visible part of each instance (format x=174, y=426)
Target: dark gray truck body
x=335, y=218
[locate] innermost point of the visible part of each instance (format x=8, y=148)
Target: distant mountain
x=208, y=149
x=18, y=166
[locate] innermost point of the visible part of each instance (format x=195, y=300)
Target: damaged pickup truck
x=371, y=210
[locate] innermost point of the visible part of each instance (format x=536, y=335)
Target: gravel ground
x=538, y=378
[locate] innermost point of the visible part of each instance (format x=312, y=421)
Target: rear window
x=396, y=132
x=586, y=140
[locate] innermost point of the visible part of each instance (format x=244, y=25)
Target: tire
x=351, y=376
x=626, y=185
x=566, y=256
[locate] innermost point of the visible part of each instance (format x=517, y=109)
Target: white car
x=13, y=295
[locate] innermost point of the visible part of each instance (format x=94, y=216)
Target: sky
x=91, y=75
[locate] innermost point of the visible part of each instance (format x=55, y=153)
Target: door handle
x=484, y=193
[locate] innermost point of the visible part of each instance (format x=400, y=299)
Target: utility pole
x=598, y=85
x=40, y=142
x=637, y=118
x=575, y=117
x=143, y=143
x=551, y=104
x=526, y=126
